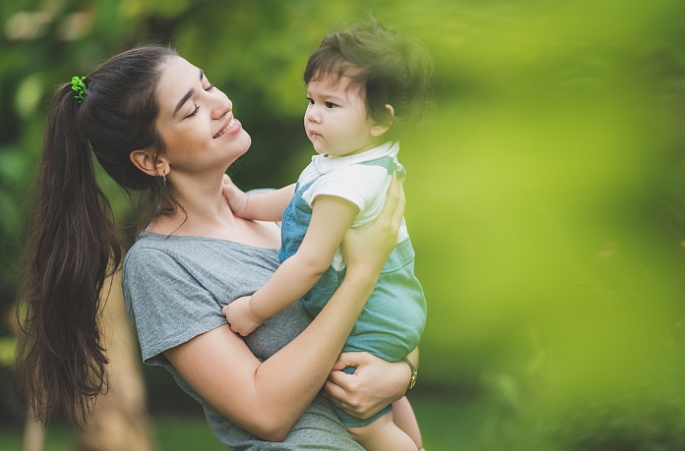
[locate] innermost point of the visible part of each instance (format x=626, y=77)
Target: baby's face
x=336, y=120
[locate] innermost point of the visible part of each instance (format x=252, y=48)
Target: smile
x=231, y=124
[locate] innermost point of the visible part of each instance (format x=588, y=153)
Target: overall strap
x=389, y=164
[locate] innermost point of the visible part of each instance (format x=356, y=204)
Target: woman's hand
x=374, y=384
x=367, y=249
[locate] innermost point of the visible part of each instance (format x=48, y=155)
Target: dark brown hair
x=73, y=246
x=388, y=68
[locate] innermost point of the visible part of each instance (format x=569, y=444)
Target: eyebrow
x=187, y=96
x=327, y=94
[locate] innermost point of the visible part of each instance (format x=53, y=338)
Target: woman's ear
x=149, y=162
x=379, y=129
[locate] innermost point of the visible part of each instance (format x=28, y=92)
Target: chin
x=246, y=141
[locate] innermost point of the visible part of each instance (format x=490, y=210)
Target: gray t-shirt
x=175, y=287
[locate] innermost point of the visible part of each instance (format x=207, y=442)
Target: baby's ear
x=378, y=129
x=149, y=163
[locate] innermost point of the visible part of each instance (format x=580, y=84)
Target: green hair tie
x=79, y=86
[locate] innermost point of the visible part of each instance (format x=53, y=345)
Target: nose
x=313, y=114
x=222, y=105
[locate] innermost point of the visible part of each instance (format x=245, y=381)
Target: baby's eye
x=310, y=101
x=209, y=88
x=330, y=105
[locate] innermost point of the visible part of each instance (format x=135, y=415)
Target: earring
x=164, y=178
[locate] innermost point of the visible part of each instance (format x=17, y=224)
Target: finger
x=337, y=401
x=393, y=210
x=340, y=364
x=225, y=181
x=334, y=391
x=347, y=359
x=398, y=213
x=392, y=197
x=339, y=378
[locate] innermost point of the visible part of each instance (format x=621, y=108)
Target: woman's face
x=196, y=121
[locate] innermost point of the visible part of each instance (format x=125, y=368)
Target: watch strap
x=414, y=373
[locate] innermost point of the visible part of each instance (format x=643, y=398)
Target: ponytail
x=73, y=247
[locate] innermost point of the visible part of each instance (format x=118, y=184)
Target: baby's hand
x=235, y=197
x=239, y=316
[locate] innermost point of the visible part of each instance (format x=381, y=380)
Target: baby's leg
x=383, y=435
x=404, y=418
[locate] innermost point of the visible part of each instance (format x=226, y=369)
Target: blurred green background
x=546, y=201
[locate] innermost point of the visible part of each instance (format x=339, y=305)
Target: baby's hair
x=387, y=67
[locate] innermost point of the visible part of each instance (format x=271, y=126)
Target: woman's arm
x=267, y=398
x=331, y=217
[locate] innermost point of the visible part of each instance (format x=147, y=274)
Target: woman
x=157, y=125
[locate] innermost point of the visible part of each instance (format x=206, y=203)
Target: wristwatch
x=414, y=373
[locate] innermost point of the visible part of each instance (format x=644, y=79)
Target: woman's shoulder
x=161, y=256
x=201, y=258
x=146, y=246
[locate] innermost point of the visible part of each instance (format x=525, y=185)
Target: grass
x=447, y=423
x=170, y=434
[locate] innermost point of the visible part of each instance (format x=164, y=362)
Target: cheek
x=167, y=138
x=356, y=126
x=174, y=142
x=181, y=141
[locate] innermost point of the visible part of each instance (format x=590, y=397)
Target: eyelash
x=197, y=107
x=328, y=104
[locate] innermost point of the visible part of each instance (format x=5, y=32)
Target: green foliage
x=546, y=203
x=7, y=346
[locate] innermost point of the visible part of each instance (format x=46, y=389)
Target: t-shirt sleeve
x=363, y=185
x=166, y=305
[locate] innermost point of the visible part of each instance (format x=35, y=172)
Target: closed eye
x=197, y=108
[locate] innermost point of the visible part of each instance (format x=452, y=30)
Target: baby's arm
x=267, y=206
x=331, y=217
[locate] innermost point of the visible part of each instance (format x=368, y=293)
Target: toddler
x=363, y=86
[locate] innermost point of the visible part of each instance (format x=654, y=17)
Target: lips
x=231, y=126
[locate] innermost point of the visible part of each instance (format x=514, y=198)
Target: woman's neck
x=204, y=211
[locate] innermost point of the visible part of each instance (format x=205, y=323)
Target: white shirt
x=365, y=186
